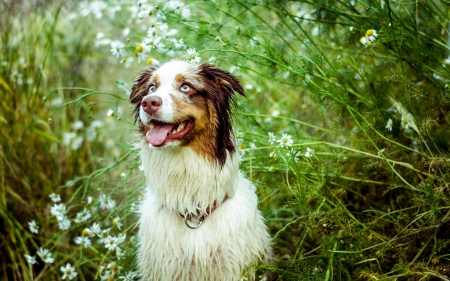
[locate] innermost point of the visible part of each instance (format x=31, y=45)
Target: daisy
x=271, y=138
x=45, y=255
x=30, y=259
x=64, y=223
x=111, y=243
x=59, y=211
x=389, y=124
x=68, y=271
x=129, y=276
x=83, y=216
x=309, y=152
x=55, y=197
x=33, y=227
x=95, y=228
x=83, y=241
x=285, y=141
x=193, y=56
x=116, y=222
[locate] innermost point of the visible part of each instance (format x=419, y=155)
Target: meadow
x=344, y=130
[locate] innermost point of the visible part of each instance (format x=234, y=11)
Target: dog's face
x=180, y=104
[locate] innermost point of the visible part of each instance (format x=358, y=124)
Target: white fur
x=179, y=181
x=230, y=239
x=168, y=87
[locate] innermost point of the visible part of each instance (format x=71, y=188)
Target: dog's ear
x=140, y=88
x=220, y=87
x=226, y=80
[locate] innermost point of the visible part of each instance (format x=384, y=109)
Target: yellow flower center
x=149, y=61
x=114, y=223
x=369, y=32
x=110, y=278
x=139, y=48
x=68, y=271
x=242, y=146
x=85, y=233
x=368, y=43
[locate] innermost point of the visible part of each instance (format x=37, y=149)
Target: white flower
x=106, y=202
x=95, y=228
x=366, y=42
x=129, y=276
x=89, y=200
x=271, y=138
x=178, y=44
x=193, y=56
x=104, y=236
x=77, y=142
x=59, y=211
x=68, y=271
x=110, y=112
x=309, y=152
x=117, y=49
x=389, y=124
x=116, y=222
x=120, y=253
x=83, y=241
x=33, y=227
x=45, y=255
x=30, y=259
x=83, y=216
x=65, y=223
x=121, y=238
x=55, y=197
x=111, y=243
x=285, y=141
x=297, y=156
x=77, y=125
x=406, y=121
x=68, y=137
x=381, y=3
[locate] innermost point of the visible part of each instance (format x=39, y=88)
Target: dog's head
x=181, y=104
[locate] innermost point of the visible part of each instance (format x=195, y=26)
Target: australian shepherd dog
x=199, y=218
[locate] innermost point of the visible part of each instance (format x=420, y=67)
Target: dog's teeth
x=151, y=126
x=181, y=127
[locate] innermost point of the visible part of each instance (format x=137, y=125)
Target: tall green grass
x=347, y=142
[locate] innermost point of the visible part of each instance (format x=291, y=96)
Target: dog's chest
x=231, y=238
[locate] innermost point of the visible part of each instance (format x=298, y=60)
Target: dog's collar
x=194, y=224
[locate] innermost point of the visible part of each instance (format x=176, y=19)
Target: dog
x=199, y=218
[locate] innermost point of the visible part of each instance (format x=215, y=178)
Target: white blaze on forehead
x=168, y=86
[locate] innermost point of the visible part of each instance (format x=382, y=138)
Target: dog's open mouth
x=160, y=133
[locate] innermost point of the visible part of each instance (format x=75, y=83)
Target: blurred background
x=344, y=130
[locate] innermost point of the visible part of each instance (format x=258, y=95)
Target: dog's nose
x=150, y=104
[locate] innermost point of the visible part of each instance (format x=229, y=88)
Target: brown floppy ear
x=140, y=88
x=220, y=87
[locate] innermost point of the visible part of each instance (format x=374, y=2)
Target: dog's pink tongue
x=158, y=134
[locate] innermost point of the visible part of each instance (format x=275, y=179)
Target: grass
x=353, y=197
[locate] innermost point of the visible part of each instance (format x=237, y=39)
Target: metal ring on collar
x=194, y=225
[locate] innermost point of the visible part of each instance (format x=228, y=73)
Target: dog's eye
x=185, y=88
x=152, y=89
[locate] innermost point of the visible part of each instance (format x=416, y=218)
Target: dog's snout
x=151, y=104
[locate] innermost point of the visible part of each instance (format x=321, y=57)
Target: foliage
x=345, y=129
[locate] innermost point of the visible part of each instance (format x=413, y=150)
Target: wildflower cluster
x=369, y=38
x=161, y=40
x=105, y=237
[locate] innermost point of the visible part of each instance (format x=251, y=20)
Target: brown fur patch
x=155, y=80
x=140, y=90
x=179, y=78
x=202, y=136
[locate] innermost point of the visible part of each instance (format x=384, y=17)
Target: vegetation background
x=345, y=130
